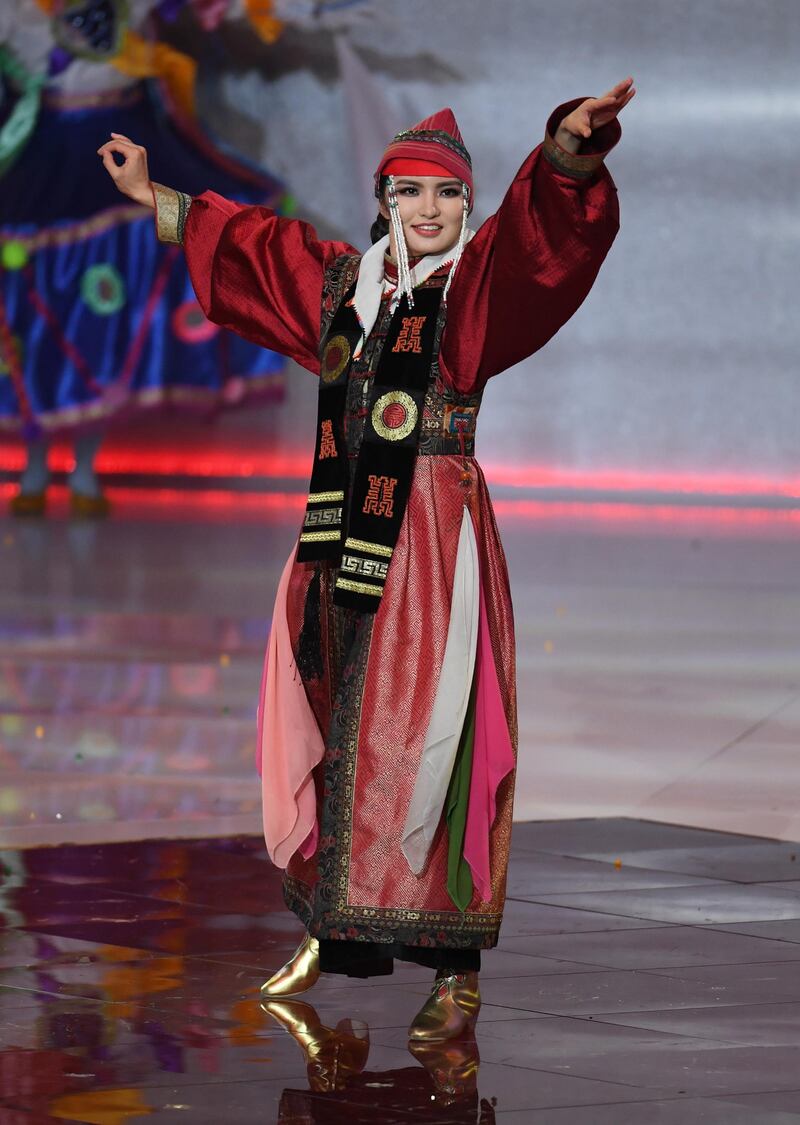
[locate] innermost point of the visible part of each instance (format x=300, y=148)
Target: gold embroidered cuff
x=579, y=165
x=172, y=209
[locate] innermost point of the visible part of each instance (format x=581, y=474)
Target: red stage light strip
x=294, y=464
x=285, y=509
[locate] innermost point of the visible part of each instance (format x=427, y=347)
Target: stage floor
x=658, y=662
x=645, y=973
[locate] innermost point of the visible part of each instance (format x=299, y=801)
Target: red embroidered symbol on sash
x=409, y=338
x=380, y=496
x=327, y=445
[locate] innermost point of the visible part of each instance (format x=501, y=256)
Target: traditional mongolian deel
x=388, y=763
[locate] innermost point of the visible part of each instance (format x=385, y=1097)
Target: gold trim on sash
x=324, y=497
x=359, y=587
x=369, y=548
x=319, y=536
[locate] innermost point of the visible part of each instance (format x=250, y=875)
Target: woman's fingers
x=111, y=166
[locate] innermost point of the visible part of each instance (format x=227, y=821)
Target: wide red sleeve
x=531, y=264
x=259, y=274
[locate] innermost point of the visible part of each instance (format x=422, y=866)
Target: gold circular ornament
x=335, y=358
x=394, y=416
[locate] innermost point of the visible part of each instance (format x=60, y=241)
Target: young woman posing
x=388, y=762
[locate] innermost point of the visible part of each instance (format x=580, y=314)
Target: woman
x=388, y=762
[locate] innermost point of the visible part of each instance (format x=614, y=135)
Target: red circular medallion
x=333, y=357
x=394, y=415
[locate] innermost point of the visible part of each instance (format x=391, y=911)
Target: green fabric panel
x=459, y=876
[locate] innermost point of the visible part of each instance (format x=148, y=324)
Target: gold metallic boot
x=332, y=1055
x=450, y=1010
x=297, y=975
x=453, y=1066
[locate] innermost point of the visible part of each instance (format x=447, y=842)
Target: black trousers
x=376, y=959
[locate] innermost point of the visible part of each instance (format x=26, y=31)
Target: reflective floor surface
x=647, y=975
x=658, y=663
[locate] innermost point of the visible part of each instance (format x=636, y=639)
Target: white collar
x=370, y=284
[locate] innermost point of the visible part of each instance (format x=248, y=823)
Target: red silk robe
x=521, y=277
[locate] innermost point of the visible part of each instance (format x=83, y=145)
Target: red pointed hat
x=435, y=141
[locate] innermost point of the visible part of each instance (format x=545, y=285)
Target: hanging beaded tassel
x=404, y=282
x=462, y=239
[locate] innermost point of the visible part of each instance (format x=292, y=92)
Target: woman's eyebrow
x=418, y=183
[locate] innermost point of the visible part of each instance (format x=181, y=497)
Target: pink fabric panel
x=290, y=743
x=493, y=759
x=260, y=711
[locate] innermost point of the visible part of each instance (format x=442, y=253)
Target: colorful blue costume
x=96, y=316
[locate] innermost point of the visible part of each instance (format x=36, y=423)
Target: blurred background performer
x=96, y=316
x=388, y=763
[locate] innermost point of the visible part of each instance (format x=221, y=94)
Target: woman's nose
x=430, y=205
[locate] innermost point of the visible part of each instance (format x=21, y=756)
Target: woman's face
x=430, y=211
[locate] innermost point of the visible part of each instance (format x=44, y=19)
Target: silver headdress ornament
x=462, y=239
x=405, y=282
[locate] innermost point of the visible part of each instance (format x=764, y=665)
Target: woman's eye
x=408, y=191
x=449, y=192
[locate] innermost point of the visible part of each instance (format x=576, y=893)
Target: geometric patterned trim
x=172, y=210
x=437, y=135
x=580, y=166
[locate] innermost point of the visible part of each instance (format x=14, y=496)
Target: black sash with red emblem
x=382, y=483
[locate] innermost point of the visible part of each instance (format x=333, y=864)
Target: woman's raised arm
x=254, y=272
x=531, y=265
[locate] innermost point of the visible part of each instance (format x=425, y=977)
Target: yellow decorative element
x=259, y=12
x=369, y=548
x=342, y=345
x=359, y=587
x=172, y=207
x=319, y=536
x=324, y=497
x=100, y=1107
x=47, y=6
x=143, y=59
x=298, y=974
x=406, y=424
x=450, y=1010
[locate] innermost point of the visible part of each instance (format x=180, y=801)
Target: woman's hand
x=131, y=177
x=592, y=114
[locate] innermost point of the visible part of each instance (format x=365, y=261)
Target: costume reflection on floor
x=95, y=315
x=336, y=1060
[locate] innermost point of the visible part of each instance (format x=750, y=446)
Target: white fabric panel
x=370, y=284
x=449, y=706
